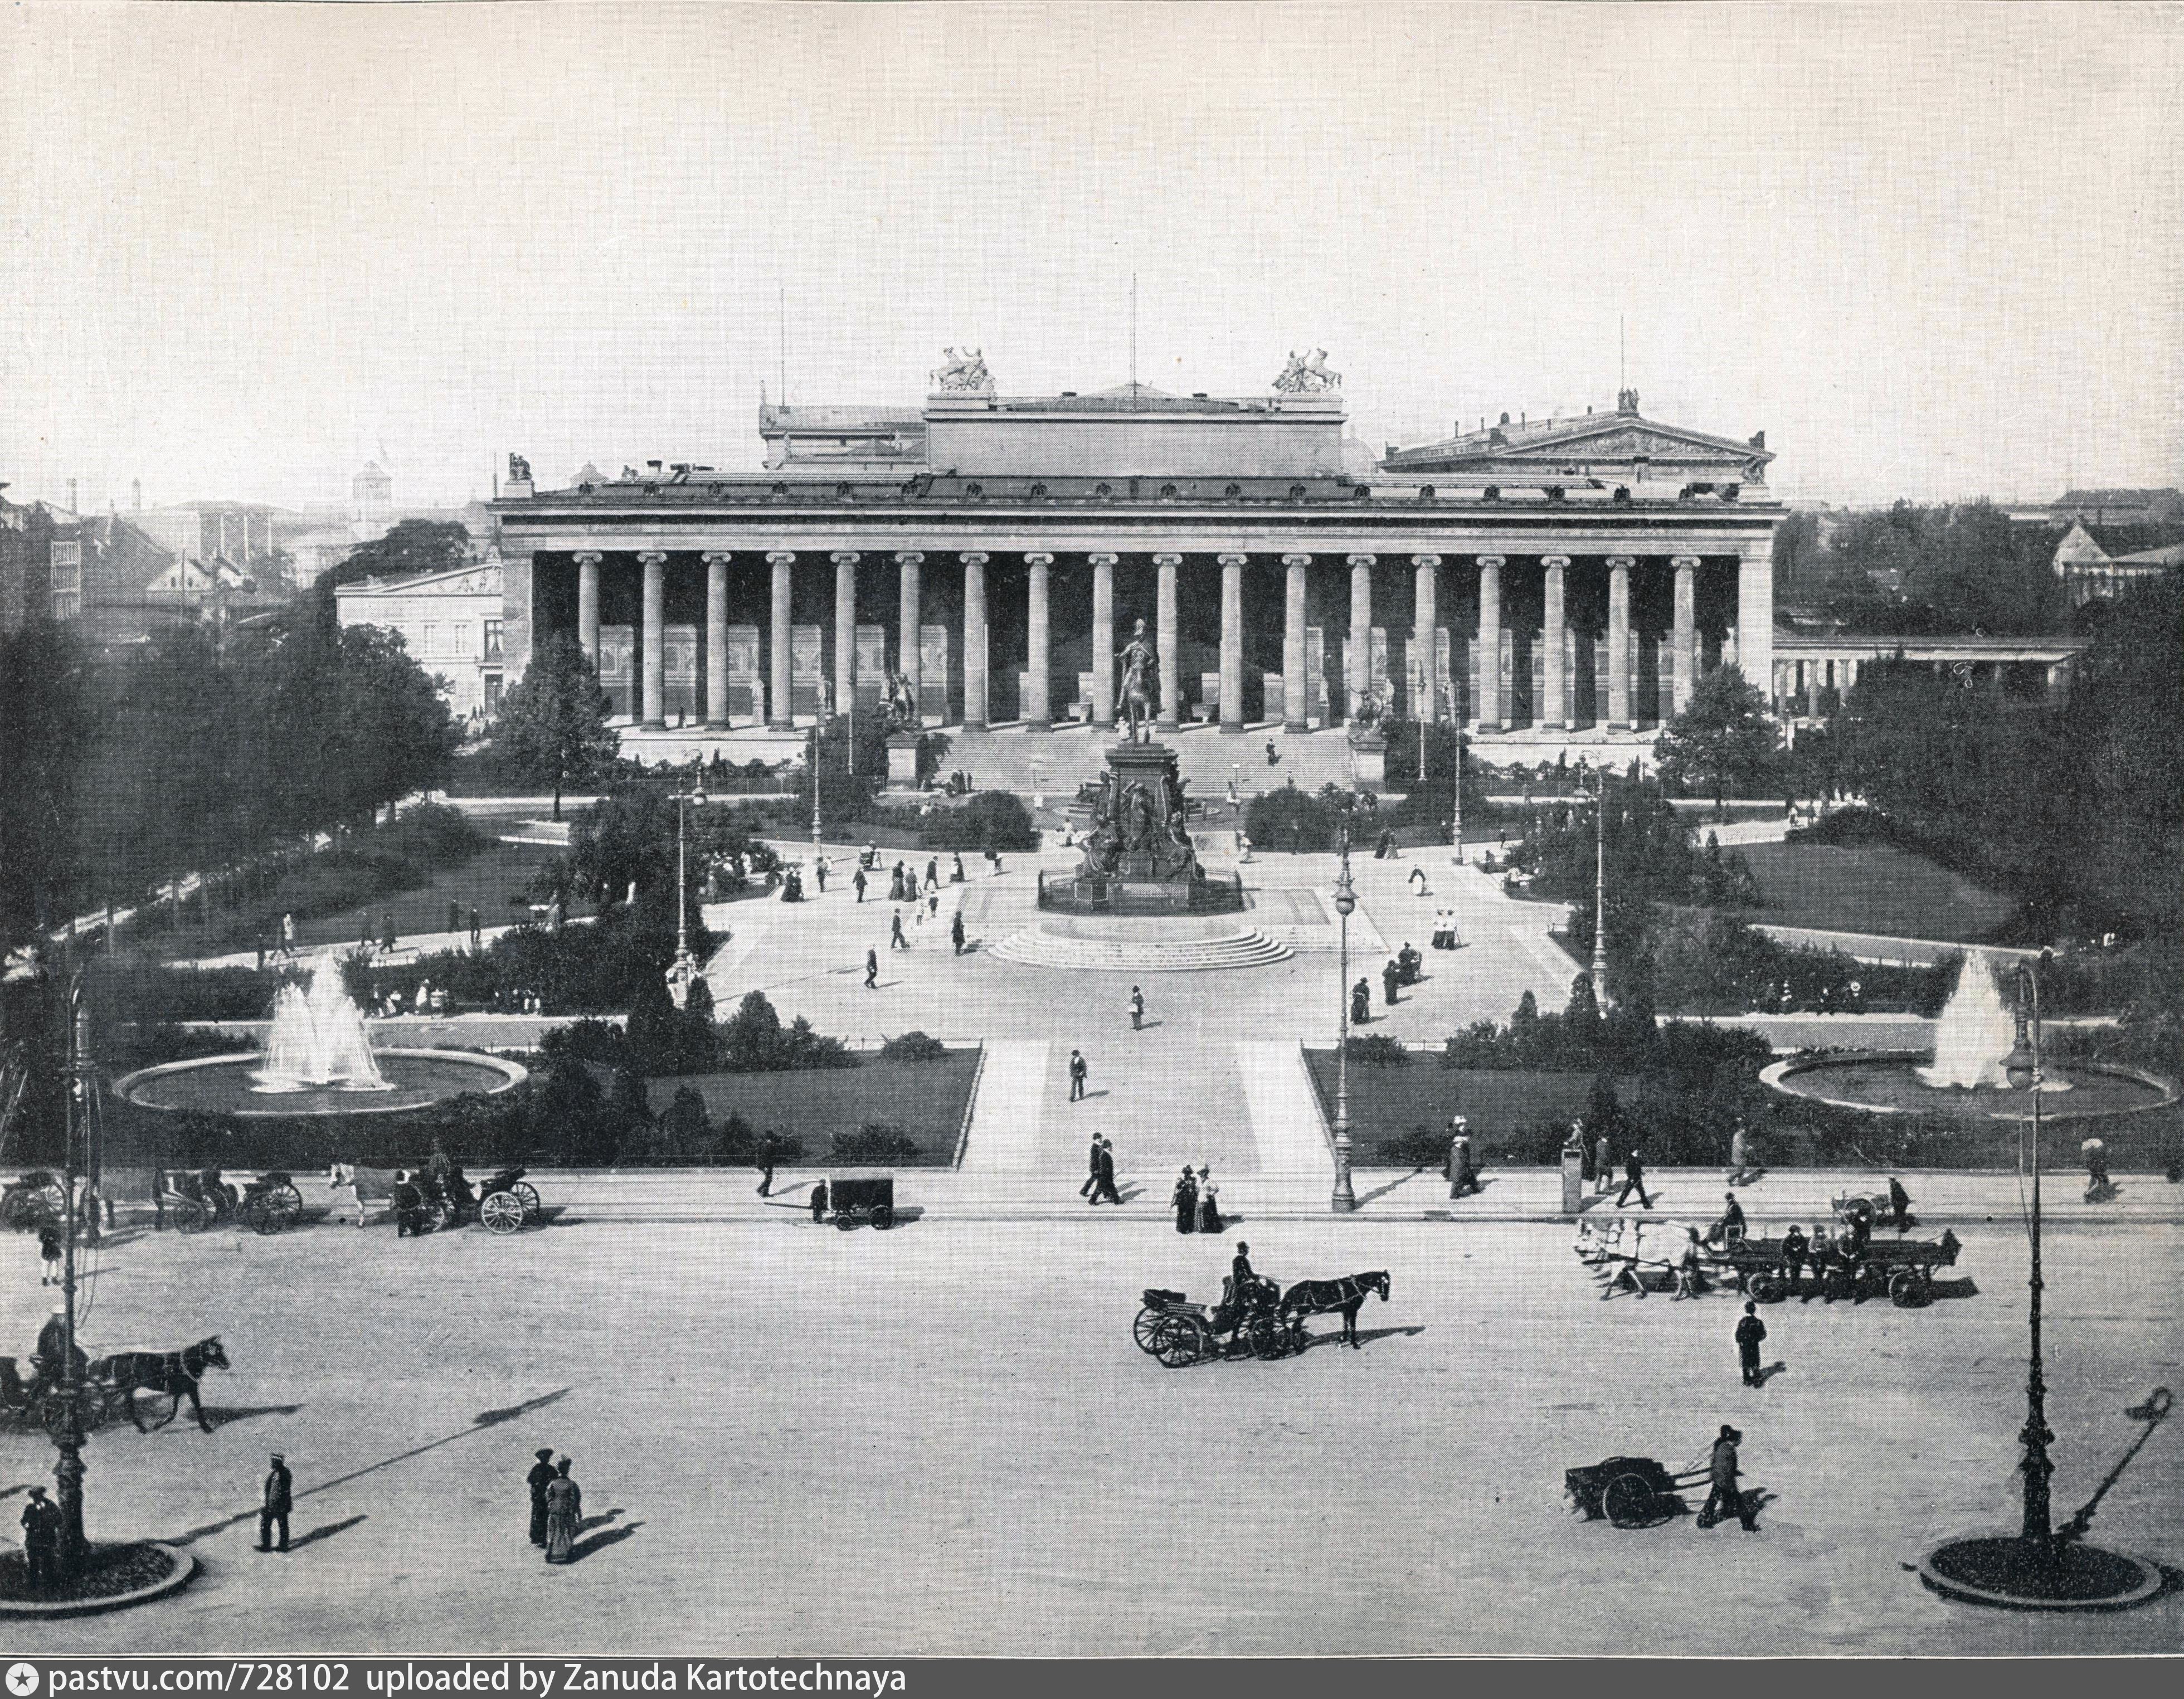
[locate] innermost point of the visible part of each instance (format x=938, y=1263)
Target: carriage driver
x=1242, y=1284
x=52, y=1348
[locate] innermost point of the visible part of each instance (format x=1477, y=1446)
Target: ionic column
x=1296, y=698
x=845, y=629
x=974, y=641
x=1166, y=635
x=1231, y=642
x=1489, y=643
x=1556, y=636
x=1358, y=669
x=655, y=636
x=908, y=613
x=780, y=710
x=1038, y=708
x=1685, y=662
x=588, y=604
x=1103, y=640
x=716, y=638
x=1425, y=638
x=1618, y=641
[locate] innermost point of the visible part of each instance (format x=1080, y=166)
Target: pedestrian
x=818, y=1201
x=1793, y=1256
x=273, y=1509
x=288, y=934
x=955, y=929
x=1184, y=1198
x=1209, y=1204
x=540, y=1477
x=1419, y=881
x=1726, y=1499
x=1391, y=976
x=1273, y=759
x=49, y=1248
x=1749, y=1332
x=42, y=1539
x=1899, y=1205
x=1603, y=1164
x=1361, y=1002
x=1078, y=1073
x=857, y=884
x=1739, y=1157
x=1137, y=1010
x=477, y=932
x=1092, y=1170
x=387, y=931
x=1462, y=1173
x=895, y=939
x=933, y=905
x=1106, y=1187
x=454, y=919
x=871, y=970
x=565, y=1509
x=765, y=1153
x=1634, y=1179
x=932, y=873
x=819, y=873
x=363, y=934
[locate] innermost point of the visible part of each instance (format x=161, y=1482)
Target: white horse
x=368, y=1186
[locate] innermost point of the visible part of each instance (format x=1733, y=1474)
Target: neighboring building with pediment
x=449, y=621
x=1619, y=450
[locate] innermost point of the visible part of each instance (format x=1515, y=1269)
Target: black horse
x=1346, y=1295
x=174, y=1374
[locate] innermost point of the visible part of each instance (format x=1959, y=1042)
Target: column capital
x=1425, y=560
x=1554, y=563
x=1684, y=563
x=1103, y=560
x=1364, y=560
x=845, y=557
x=1168, y=559
x=650, y=556
x=909, y=557
x=1231, y=560
x=1622, y=560
x=717, y=556
x=974, y=557
x=780, y=557
x=1492, y=560
x=1037, y=557
x=1296, y=559
x=587, y=557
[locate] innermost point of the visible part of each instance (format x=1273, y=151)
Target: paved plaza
x=942, y=1439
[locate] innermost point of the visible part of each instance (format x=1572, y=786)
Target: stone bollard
x=1572, y=1178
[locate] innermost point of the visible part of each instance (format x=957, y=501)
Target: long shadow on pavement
x=326, y=1530
x=600, y=1541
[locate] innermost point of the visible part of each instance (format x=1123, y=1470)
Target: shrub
x=876, y=1141
x=914, y=1047
x=1379, y=1050
x=753, y=1040
x=1291, y=819
x=995, y=820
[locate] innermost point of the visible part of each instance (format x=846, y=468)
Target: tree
x=553, y=726
x=45, y=728
x=411, y=548
x=1722, y=740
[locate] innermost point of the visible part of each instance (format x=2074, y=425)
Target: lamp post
x=68, y=1431
x=1456, y=817
x=818, y=727
x=1344, y=1199
x=1599, y=894
x=685, y=967
x=2022, y=1066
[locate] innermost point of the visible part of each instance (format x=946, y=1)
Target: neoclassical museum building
x=1551, y=582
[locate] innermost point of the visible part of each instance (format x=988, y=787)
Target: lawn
x=1872, y=889
x=925, y=1100
x=1387, y=1102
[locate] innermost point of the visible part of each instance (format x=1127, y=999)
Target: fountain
x=1963, y=1076
x=318, y=1059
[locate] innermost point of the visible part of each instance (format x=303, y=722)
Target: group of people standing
x=1197, y=1202
x=557, y=1507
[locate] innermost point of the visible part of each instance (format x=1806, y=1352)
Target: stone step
x=1004, y=761
x=1036, y=947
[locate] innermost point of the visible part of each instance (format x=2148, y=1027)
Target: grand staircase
x=1036, y=947
x=1005, y=759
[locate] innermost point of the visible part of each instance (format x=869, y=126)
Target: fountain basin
x=230, y=1085
x=1889, y=1083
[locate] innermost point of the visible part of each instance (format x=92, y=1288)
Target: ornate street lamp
x=817, y=726
x=69, y=1430
x=1599, y=894
x=684, y=968
x=1457, y=814
x=2039, y=1568
x=1345, y=900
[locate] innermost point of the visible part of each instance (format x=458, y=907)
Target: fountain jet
x=1975, y=1034
x=318, y=1040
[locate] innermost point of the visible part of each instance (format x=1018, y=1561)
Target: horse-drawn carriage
x=1853, y=1266
x=107, y=1387
x=195, y=1199
x=1264, y=1321
x=505, y=1202
x=30, y=1202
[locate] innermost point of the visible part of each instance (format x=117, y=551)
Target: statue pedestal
x=1368, y=756
x=902, y=758
x=1139, y=857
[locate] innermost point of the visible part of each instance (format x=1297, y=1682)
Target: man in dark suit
x=1634, y=1178
x=1091, y=1170
x=540, y=1477
x=1794, y=1247
x=1078, y=1073
x=273, y=1508
x=1106, y=1187
x=1726, y=1499
x=1749, y=1332
x=42, y=1538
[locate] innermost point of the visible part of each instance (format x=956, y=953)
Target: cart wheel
x=502, y=1213
x=1265, y=1334
x=884, y=1216
x=1630, y=1501
x=527, y=1195
x=1910, y=1290
x=190, y=1216
x=844, y=1220
x=19, y=1212
x=1144, y=1327
x=1177, y=1342
x=441, y=1214
x=1770, y=1289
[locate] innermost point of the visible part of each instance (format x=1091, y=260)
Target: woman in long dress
x=1209, y=1204
x=565, y=1509
x=1185, y=1201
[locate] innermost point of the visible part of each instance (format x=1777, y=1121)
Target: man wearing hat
x=540, y=1477
x=42, y=1538
x=1749, y=1332
x=1726, y=1499
x=1462, y=1175
x=280, y=1492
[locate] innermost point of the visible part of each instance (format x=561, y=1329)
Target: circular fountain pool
x=229, y=1085
x=1891, y=1083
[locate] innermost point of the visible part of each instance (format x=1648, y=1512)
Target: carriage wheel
x=190, y=1216
x=884, y=1216
x=19, y=1212
x=1265, y=1334
x=441, y=1214
x=1631, y=1502
x=502, y=1212
x=527, y=1195
x=1177, y=1342
x=1910, y=1290
x=1770, y=1289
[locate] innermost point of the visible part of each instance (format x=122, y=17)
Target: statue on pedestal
x=1139, y=658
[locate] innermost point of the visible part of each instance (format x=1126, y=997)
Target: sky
x=1935, y=252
